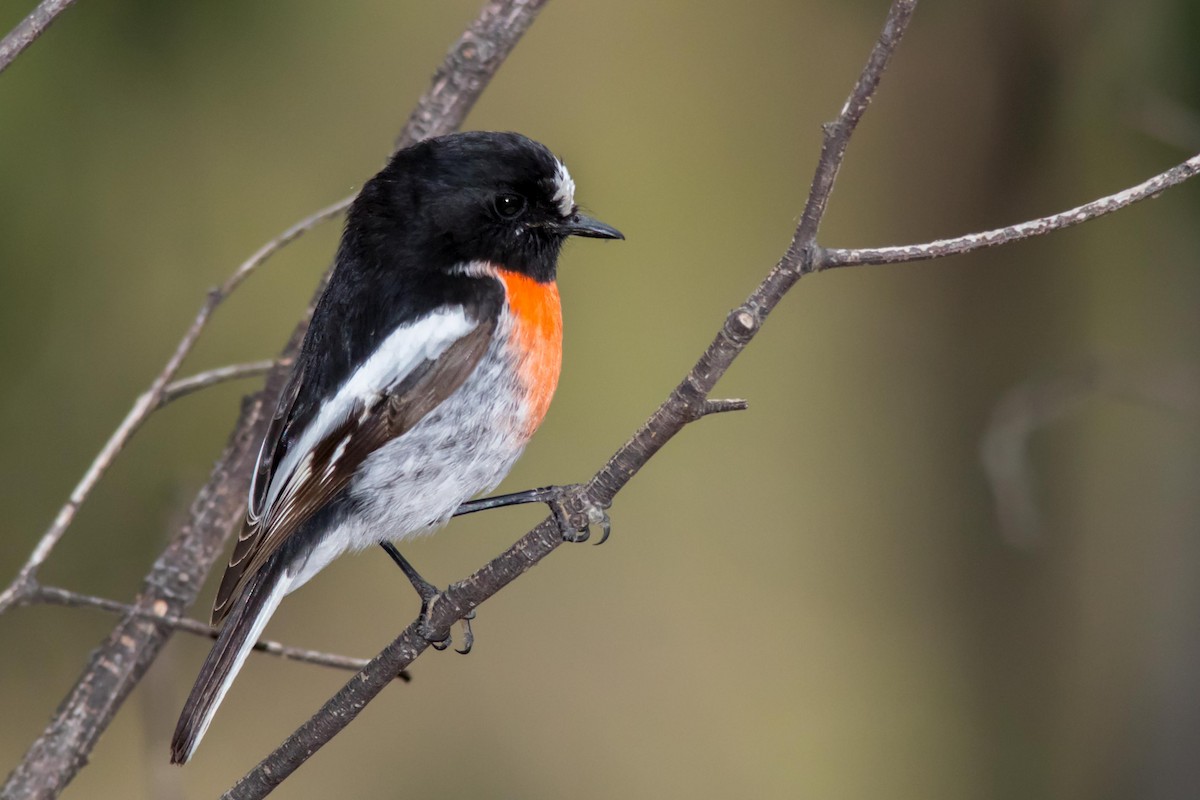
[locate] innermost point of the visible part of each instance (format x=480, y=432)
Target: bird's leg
x=546, y=494
x=574, y=513
x=428, y=593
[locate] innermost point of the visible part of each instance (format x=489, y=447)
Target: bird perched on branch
x=429, y=363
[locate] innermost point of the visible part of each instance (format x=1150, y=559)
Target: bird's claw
x=468, y=634
x=575, y=514
x=440, y=641
x=429, y=595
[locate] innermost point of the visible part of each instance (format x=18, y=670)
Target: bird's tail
x=241, y=630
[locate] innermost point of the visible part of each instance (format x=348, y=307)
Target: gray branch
x=29, y=29
x=1151, y=188
x=56, y=596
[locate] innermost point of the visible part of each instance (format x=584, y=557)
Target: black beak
x=580, y=225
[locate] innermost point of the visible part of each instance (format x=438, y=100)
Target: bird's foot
x=576, y=513
x=442, y=641
x=429, y=595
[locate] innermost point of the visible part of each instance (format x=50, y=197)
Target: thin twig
x=30, y=28
x=203, y=380
x=289, y=235
x=685, y=404
x=159, y=614
x=829, y=258
x=119, y=662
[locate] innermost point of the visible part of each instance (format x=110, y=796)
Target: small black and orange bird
x=429, y=363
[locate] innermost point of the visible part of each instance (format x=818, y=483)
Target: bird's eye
x=509, y=206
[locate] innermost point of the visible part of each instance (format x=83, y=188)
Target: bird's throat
x=536, y=340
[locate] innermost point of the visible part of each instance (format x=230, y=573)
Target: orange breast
x=537, y=335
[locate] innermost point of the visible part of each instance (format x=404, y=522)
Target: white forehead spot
x=564, y=189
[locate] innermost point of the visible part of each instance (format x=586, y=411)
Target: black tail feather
x=256, y=603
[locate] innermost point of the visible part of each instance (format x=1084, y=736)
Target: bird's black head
x=470, y=197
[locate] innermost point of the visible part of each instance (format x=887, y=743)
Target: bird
x=430, y=360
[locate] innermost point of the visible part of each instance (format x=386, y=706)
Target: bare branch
x=289, y=235
x=212, y=377
x=941, y=248
x=117, y=665
x=53, y=595
x=30, y=28
x=468, y=68
x=673, y=415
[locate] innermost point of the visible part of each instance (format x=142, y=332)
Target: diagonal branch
x=829, y=258
x=118, y=664
x=685, y=404
x=30, y=28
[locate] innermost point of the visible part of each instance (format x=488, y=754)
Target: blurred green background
x=810, y=599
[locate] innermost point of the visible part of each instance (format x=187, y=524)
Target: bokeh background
x=814, y=598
